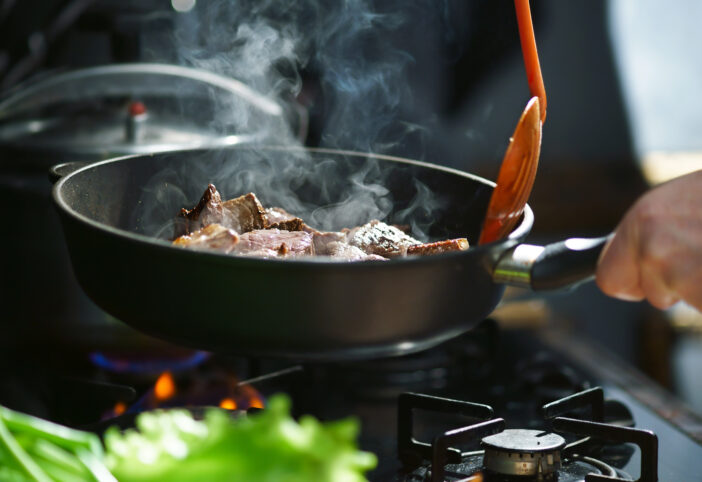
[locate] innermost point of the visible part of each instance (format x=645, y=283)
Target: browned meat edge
x=460, y=244
x=208, y=210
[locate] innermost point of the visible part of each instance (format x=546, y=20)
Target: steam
x=345, y=43
x=419, y=214
x=363, y=200
x=360, y=73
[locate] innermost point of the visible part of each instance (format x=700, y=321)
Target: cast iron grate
x=447, y=460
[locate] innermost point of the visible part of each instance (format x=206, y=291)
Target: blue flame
x=122, y=365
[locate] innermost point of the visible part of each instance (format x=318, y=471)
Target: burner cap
x=523, y=452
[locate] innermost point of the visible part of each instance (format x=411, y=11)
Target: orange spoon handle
x=531, y=57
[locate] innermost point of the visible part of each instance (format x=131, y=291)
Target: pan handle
x=554, y=266
x=64, y=169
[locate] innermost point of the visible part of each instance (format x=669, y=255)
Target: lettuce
x=33, y=449
x=269, y=446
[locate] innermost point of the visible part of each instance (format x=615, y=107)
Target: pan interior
x=330, y=190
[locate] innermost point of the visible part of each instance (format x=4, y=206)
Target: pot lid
x=136, y=108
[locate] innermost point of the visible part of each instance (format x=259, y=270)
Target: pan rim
x=515, y=236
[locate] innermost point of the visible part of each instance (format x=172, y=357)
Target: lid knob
x=136, y=108
x=136, y=116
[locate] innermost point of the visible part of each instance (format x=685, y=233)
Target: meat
x=279, y=218
x=243, y=227
x=244, y=213
x=459, y=244
x=379, y=238
x=272, y=243
x=324, y=242
x=207, y=211
x=241, y=214
x=335, y=245
x=374, y=238
x=213, y=237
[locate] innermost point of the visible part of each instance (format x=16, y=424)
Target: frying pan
x=117, y=220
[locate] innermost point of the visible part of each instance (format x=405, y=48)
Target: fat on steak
x=275, y=243
x=213, y=237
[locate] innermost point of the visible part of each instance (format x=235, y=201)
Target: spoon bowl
x=516, y=177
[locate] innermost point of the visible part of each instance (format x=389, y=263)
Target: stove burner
x=117, y=364
x=523, y=452
x=520, y=454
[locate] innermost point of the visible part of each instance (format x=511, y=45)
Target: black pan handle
x=554, y=266
x=64, y=169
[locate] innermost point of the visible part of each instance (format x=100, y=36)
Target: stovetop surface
x=515, y=372
x=679, y=457
x=515, y=376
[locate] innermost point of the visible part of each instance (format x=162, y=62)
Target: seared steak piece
x=207, y=211
x=241, y=214
x=335, y=245
x=244, y=213
x=271, y=243
x=279, y=218
x=242, y=226
x=324, y=242
x=352, y=253
x=212, y=237
x=460, y=244
x=382, y=239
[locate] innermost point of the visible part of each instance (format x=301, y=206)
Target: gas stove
x=527, y=454
x=517, y=406
x=491, y=405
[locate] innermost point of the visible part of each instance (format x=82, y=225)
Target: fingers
x=623, y=274
x=655, y=289
x=618, y=274
x=656, y=252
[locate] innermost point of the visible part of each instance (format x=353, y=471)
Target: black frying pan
x=116, y=216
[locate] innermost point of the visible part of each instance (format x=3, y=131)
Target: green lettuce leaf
x=269, y=446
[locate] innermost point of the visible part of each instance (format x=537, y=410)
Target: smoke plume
x=347, y=47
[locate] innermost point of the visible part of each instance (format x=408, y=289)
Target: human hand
x=656, y=251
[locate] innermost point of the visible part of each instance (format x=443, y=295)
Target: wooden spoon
x=519, y=165
x=516, y=176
